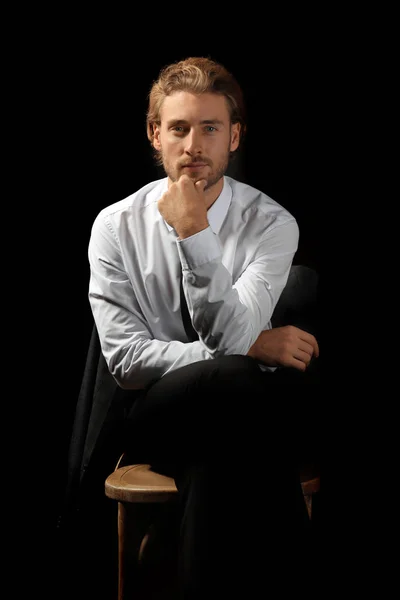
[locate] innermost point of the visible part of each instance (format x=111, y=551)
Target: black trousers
x=233, y=437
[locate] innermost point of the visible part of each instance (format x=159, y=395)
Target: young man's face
x=195, y=136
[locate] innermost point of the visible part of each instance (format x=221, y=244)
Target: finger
x=184, y=177
x=201, y=184
x=310, y=339
x=298, y=364
x=306, y=347
x=315, y=347
x=304, y=357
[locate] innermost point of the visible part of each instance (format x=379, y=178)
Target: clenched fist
x=183, y=206
x=286, y=346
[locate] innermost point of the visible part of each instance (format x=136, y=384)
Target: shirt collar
x=217, y=212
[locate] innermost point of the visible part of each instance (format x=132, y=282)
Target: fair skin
x=286, y=346
x=195, y=137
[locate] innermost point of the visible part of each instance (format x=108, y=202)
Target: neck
x=212, y=193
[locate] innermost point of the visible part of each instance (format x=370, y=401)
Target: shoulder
x=134, y=203
x=251, y=200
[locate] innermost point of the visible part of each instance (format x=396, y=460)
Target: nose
x=193, y=143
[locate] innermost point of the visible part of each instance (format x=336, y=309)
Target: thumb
x=201, y=184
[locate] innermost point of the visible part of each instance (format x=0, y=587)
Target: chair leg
x=133, y=523
x=308, y=501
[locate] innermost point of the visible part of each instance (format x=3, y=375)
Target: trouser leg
x=222, y=430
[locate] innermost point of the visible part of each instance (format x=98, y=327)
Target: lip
x=195, y=166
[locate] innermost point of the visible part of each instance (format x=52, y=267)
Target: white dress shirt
x=233, y=271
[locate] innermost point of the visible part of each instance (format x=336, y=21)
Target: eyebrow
x=175, y=122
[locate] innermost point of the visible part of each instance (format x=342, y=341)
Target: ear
x=235, y=136
x=156, y=137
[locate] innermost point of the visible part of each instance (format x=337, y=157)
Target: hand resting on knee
x=287, y=346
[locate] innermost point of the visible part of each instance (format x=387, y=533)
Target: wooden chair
x=141, y=492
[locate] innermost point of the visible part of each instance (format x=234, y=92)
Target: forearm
x=133, y=356
x=229, y=315
x=144, y=360
x=223, y=322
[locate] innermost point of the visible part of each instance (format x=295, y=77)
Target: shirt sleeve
x=227, y=315
x=133, y=356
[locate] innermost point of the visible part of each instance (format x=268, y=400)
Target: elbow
x=124, y=381
x=125, y=378
x=133, y=375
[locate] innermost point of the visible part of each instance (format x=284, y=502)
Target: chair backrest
x=298, y=303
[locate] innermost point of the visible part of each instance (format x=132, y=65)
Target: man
x=184, y=278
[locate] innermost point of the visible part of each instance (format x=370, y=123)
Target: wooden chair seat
x=139, y=491
x=139, y=483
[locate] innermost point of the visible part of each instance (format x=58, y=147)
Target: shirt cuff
x=198, y=249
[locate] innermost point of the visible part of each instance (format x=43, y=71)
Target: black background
x=92, y=97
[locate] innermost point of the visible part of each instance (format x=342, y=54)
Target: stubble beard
x=212, y=178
